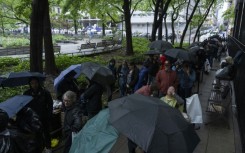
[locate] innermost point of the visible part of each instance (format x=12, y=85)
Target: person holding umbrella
x=123, y=71
x=42, y=104
x=132, y=78
x=187, y=77
x=68, y=83
x=166, y=78
x=92, y=98
x=112, y=67
x=153, y=68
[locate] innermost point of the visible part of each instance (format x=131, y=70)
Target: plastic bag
x=194, y=109
x=207, y=66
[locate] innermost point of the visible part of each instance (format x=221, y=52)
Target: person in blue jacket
x=187, y=77
x=143, y=76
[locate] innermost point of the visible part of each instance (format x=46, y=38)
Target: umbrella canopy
x=195, y=49
x=15, y=79
x=13, y=105
x=215, y=39
x=97, y=136
x=180, y=54
x=152, y=124
x=98, y=73
x=160, y=45
x=153, y=52
x=195, y=44
x=74, y=68
x=215, y=36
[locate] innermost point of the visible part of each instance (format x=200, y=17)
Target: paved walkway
x=216, y=137
x=65, y=48
x=71, y=48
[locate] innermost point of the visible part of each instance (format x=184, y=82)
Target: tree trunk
x=36, y=36
x=75, y=26
x=188, y=22
x=166, y=28
x=203, y=19
x=129, y=46
x=173, y=31
x=160, y=24
x=50, y=67
x=156, y=23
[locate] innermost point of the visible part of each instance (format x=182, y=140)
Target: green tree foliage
x=229, y=14
x=17, y=10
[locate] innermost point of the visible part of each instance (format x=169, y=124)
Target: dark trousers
x=46, y=133
x=68, y=142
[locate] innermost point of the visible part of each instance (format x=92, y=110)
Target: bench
x=90, y=46
x=219, y=101
x=23, y=50
x=100, y=46
x=108, y=44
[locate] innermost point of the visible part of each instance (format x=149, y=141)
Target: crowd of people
x=171, y=80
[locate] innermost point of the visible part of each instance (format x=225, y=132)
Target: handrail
x=238, y=43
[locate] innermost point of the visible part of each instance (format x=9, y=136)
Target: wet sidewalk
x=215, y=137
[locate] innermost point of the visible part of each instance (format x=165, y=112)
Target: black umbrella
x=195, y=44
x=153, y=52
x=195, y=49
x=215, y=36
x=180, y=54
x=21, y=78
x=153, y=125
x=97, y=73
x=160, y=45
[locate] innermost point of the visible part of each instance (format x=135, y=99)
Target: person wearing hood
x=42, y=104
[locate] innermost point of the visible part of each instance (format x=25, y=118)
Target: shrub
x=14, y=42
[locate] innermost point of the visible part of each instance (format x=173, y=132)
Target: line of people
x=157, y=76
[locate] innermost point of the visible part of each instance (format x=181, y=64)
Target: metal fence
x=237, y=51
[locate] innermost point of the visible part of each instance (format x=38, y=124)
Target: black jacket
x=41, y=103
x=72, y=120
x=93, y=95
